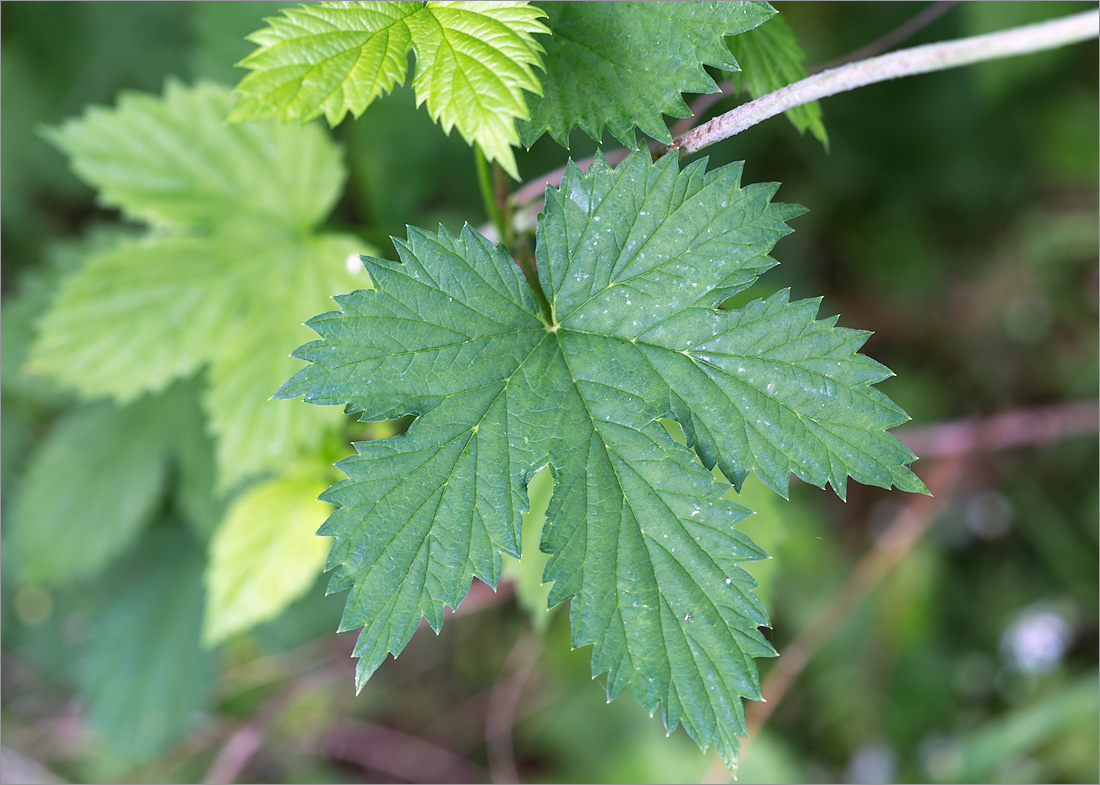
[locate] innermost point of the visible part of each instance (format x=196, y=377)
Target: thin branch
x=537, y=187
x=901, y=33
x=906, y=62
x=397, y=754
x=1003, y=431
x=951, y=444
x=248, y=738
x=534, y=189
x=237, y=751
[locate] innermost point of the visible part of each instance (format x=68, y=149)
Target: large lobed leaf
x=635, y=262
x=225, y=280
x=474, y=62
x=624, y=65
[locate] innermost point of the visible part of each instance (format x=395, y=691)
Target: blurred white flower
x=1037, y=639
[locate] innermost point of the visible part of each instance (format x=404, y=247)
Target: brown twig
x=704, y=102
x=910, y=524
x=928, y=58
x=1001, y=431
x=237, y=751
x=248, y=738
x=397, y=754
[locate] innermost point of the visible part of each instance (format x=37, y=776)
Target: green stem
x=499, y=205
x=905, y=62
x=502, y=191
x=486, y=186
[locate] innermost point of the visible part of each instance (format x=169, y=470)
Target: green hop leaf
x=623, y=65
x=634, y=262
x=771, y=58
x=474, y=62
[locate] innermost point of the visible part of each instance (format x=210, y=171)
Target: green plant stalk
x=499, y=204
x=502, y=197
x=485, y=185
x=905, y=62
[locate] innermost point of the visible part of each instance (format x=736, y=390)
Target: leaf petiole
x=485, y=185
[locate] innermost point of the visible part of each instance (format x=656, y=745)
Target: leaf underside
x=634, y=262
x=624, y=65
x=474, y=63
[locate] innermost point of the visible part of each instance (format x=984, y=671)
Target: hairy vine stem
x=905, y=62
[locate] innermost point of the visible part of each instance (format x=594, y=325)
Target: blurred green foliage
x=955, y=214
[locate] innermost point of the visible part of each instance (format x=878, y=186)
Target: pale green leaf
x=253, y=432
x=223, y=283
x=144, y=676
x=173, y=160
x=474, y=62
x=634, y=262
x=624, y=65
x=91, y=487
x=265, y=554
x=24, y=303
x=770, y=58
x=139, y=316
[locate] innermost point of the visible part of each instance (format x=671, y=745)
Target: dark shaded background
x=955, y=214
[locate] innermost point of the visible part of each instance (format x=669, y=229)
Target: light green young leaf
x=234, y=261
x=330, y=58
x=172, y=160
x=93, y=484
x=624, y=65
x=144, y=675
x=139, y=316
x=474, y=62
x=265, y=555
x=634, y=262
x=771, y=58
x=253, y=357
